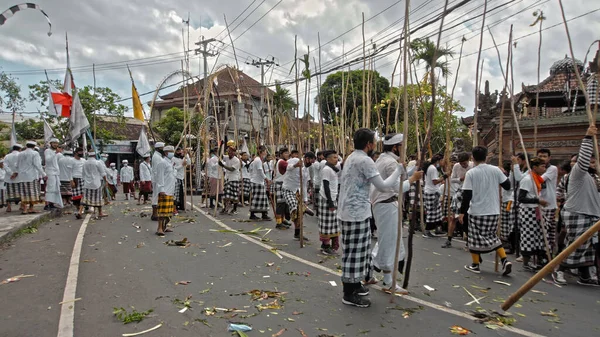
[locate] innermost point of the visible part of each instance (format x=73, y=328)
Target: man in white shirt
x=145, y=179
x=291, y=187
x=78, y=162
x=231, y=163
x=431, y=197
x=354, y=213
x=459, y=170
x=157, y=157
x=329, y=229
x=260, y=200
x=12, y=185
x=214, y=178
x=112, y=178
x=482, y=201
x=165, y=186
x=127, y=179
x=94, y=173
x=549, y=194
x=315, y=168
x=65, y=167
x=385, y=211
x=246, y=184
x=52, y=155
x=281, y=211
x=180, y=161
x=29, y=168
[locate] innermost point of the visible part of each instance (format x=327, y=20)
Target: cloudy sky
x=147, y=35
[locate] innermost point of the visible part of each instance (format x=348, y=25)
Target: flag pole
x=143, y=111
x=94, y=112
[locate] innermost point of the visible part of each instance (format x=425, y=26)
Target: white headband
x=396, y=139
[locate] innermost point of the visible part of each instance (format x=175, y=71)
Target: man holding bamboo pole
x=581, y=211
x=354, y=214
x=482, y=201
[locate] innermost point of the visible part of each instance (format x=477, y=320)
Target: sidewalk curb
x=41, y=218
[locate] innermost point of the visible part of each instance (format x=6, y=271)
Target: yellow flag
x=138, y=112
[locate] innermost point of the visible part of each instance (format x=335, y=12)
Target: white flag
x=143, y=146
x=78, y=121
x=48, y=133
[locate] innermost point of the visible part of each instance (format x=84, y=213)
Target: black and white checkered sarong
x=29, y=191
x=445, y=205
x=92, y=197
x=247, y=187
x=576, y=224
x=279, y=199
x=550, y=224
x=432, y=207
x=232, y=190
x=356, y=257
x=12, y=191
x=290, y=199
x=532, y=240
x=78, y=189
x=178, y=196
x=328, y=223
x=260, y=200
x=482, y=237
x=508, y=220
x=65, y=188
x=2, y=197
x=456, y=202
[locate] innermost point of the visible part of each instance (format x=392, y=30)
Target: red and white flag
x=59, y=103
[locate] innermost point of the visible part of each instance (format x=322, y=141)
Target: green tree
x=419, y=98
x=331, y=96
x=283, y=105
x=96, y=104
x=170, y=127
x=30, y=129
x=10, y=94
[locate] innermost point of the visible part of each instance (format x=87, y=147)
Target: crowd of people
x=527, y=206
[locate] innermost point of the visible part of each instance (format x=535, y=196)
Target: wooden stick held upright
x=475, y=113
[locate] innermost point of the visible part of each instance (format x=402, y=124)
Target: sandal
x=32, y=212
x=168, y=230
x=160, y=234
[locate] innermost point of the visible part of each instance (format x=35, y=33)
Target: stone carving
x=554, y=143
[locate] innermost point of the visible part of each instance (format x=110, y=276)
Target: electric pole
x=205, y=55
x=261, y=64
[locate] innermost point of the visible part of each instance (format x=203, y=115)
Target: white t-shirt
x=549, y=193
x=257, y=173
x=432, y=174
x=316, y=168
x=278, y=177
x=484, y=180
x=354, y=203
x=235, y=163
x=213, y=167
x=291, y=179
x=528, y=185
x=245, y=170
x=327, y=173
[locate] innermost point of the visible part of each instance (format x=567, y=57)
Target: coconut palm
x=425, y=51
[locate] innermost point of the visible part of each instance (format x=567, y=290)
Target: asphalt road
x=125, y=266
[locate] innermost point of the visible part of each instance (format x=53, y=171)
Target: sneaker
x=519, y=259
x=362, y=291
x=287, y=223
x=266, y=218
x=473, y=268
x=254, y=217
x=374, y=235
x=439, y=232
x=428, y=234
x=281, y=226
x=530, y=266
x=372, y=280
x=399, y=290
x=329, y=251
x=309, y=211
x=447, y=244
x=223, y=211
x=588, y=282
x=297, y=237
x=233, y=212
x=559, y=278
x=356, y=301
x=506, y=267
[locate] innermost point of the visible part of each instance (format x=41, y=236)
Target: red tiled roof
x=554, y=82
x=226, y=85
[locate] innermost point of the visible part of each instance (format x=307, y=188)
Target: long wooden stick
x=402, y=158
x=364, y=73
x=475, y=113
x=550, y=266
x=540, y=18
x=299, y=211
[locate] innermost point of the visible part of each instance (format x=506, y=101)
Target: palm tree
x=425, y=50
x=283, y=104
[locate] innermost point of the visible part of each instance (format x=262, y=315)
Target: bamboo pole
x=300, y=210
x=540, y=18
x=475, y=112
x=403, y=160
x=501, y=128
x=364, y=73
x=323, y=136
x=535, y=279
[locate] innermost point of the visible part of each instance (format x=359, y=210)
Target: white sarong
x=386, y=219
x=53, y=191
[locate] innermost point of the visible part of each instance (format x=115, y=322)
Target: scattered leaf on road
x=279, y=333
x=183, y=283
x=459, y=330
x=15, y=278
x=141, y=332
x=503, y=283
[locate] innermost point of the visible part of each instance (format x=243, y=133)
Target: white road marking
x=331, y=271
x=67, y=310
